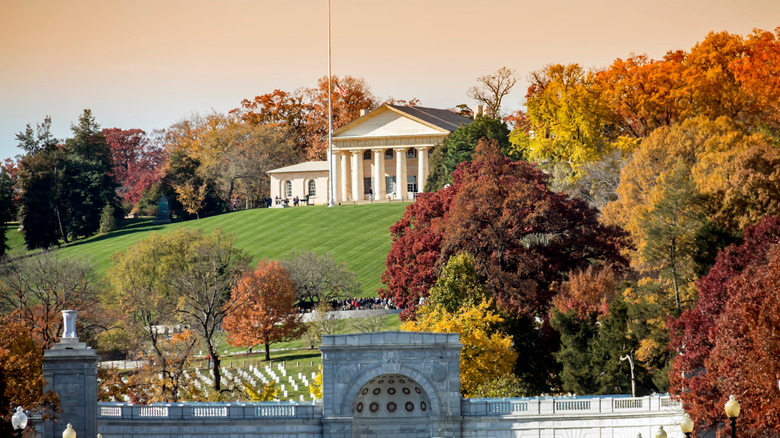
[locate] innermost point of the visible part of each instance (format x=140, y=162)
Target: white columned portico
x=344, y=176
x=422, y=167
x=357, y=175
x=400, y=173
x=379, y=173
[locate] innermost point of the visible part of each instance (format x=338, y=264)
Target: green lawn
x=355, y=234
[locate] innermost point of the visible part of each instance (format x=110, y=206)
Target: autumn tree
x=570, y=122
x=486, y=353
x=319, y=278
x=183, y=277
x=458, y=285
x=21, y=368
x=137, y=160
x=758, y=73
x=237, y=155
x=750, y=193
x=411, y=265
x=524, y=239
x=492, y=88
x=643, y=94
x=304, y=112
x=37, y=288
x=141, y=287
x=210, y=268
x=265, y=309
x=724, y=295
x=191, y=196
x=534, y=236
x=701, y=147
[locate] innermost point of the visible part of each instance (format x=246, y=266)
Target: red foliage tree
x=524, y=237
x=136, y=161
x=702, y=335
x=266, y=311
x=412, y=261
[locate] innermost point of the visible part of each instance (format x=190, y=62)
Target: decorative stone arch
x=432, y=360
x=423, y=381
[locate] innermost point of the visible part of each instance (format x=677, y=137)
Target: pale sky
x=148, y=63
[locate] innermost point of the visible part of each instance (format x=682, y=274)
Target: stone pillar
x=357, y=175
x=379, y=174
x=400, y=173
x=344, y=177
x=70, y=369
x=422, y=167
x=336, y=185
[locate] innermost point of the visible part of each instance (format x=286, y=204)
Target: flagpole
x=331, y=173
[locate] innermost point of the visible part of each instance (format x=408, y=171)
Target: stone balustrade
x=206, y=411
x=567, y=405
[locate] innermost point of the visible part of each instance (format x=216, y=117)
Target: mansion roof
x=395, y=120
x=309, y=166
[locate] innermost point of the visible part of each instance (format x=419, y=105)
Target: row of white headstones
x=252, y=376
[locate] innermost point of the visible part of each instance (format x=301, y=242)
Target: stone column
x=400, y=173
x=422, y=167
x=379, y=174
x=344, y=177
x=357, y=175
x=70, y=369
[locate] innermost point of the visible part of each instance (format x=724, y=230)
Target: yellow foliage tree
x=316, y=385
x=487, y=351
x=191, y=196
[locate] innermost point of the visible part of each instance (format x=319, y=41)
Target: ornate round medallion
x=373, y=407
x=409, y=406
x=391, y=407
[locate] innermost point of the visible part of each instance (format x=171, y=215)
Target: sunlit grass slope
x=355, y=234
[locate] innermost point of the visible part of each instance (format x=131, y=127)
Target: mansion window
x=411, y=153
x=367, y=184
x=287, y=189
x=388, y=154
x=367, y=154
x=411, y=183
x=390, y=184
x=312, y=188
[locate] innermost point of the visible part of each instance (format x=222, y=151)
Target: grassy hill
x=355, y=234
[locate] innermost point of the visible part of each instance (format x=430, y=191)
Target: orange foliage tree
x=265, y=313
x=21, y=371
x=305, y=111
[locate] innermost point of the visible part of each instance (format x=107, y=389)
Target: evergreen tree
x=63, y=188
x=458, y=147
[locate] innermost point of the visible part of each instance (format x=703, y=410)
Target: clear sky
x=147, y=63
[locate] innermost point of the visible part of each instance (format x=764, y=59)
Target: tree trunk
x=215, y=368
x=674, y=275
x=267, y=351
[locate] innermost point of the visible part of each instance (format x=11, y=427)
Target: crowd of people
x=355, y=304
